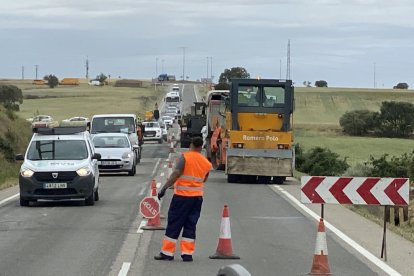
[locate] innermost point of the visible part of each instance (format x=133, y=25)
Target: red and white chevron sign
x=355, y=190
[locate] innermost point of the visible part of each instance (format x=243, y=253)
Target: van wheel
x=24, y=202
x=96, y=195
x=90, y=200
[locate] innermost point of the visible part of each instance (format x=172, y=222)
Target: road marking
x=162, y=174
x=9, y=198
x=156, y=166
x=142, y=191
x=165, y=166
x=124, y=269
x=142, y=224
x=386, y=268
x=158, y=185
x=273, y=218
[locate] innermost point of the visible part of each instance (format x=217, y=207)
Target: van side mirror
x=96, y=156
x=19, y=157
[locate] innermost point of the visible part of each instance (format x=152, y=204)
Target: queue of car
x=64, y=161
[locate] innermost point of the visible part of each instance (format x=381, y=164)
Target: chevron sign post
x=355, y=190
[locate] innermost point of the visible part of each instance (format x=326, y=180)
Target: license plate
x=109, y=163
x=55, y=185
x=150, y=135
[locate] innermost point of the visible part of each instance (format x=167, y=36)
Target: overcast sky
x=335, y=40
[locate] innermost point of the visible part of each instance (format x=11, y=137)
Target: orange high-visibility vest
x=191, y=182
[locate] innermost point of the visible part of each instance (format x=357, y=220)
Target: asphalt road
x=67, y=238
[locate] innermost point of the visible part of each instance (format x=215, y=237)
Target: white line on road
x=158, y=185
x=162, y=174
x=386, y=268
x=155, y=167
x=142, y=224
x=142, y=191
x=9, y=198
x=273, y=218
x=124, y=269
x=165, y=166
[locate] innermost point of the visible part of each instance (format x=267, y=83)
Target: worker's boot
x=163, y=257
x=187, y=258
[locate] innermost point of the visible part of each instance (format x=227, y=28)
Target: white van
x=117, y=123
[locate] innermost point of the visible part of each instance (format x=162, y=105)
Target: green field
x=84, y=100
x=316, y=121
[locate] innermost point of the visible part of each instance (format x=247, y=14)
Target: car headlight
x=126, y=155
x=27, y=173
x=83, y=172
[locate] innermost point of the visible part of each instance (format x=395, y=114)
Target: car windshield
x=111, y=142
x=57, y=150
x=152, y=124
x=113, y=124
x=166, y=118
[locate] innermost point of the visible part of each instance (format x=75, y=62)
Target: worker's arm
x=178, y=171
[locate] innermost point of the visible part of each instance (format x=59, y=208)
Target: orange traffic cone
x=320, y=265
x=224, y=247
x=154, y=223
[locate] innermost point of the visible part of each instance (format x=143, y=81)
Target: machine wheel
x=24, y=202
x=133, y=171
x=278, y=179
x=263, y=179
x=233, y=178
x=90, y=200
x=96, y=195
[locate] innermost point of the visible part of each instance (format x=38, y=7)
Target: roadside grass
x=84, y=100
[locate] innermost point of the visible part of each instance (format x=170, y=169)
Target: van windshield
x=57, y=150
x=113, y=124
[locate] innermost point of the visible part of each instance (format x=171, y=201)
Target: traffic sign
x=355, y=190
x=149, y=207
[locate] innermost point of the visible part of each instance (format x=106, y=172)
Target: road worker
x=188, y=178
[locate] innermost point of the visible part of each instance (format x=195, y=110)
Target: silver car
x=117, y=153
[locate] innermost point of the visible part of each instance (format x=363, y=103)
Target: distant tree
x=52, y=80
x=11, y=96
x=401, y=85
x=358, y=122
x=222, y=86
x=102, y=78
x=235, y=72
x=307, y=83
x=396, y=119
x=321, y=83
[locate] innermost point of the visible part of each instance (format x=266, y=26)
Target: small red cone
x=320, y=264
x=224, y=247
x=154, y=223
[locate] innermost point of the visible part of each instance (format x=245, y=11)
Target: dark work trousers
x=184, y=213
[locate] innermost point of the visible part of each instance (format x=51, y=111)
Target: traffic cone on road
x=320, y=264
x=224, y=247
x=154, y=223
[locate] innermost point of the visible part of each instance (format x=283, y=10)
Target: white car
x=153, y=132
x=164, y=131
x=168, y=120
x=60, y=163
x=117, y=153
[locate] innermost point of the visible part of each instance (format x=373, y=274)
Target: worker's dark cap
x=197, y=142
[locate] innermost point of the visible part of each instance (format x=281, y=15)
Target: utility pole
x=183, y=62
x=22, y=72
x=207, y=69
x=156, y=67
x=288, y=61
x=211, y=69
x=37, y=68
x=87, y=68
x=375, y=75
x=280, y=68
